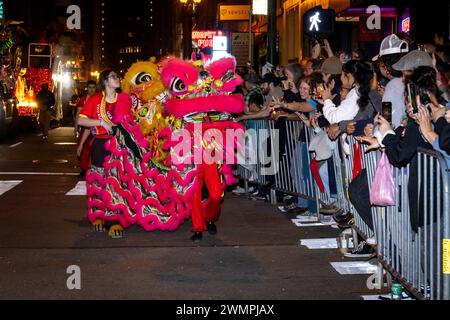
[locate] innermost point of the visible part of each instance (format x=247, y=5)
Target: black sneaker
x=341, y=216
x=197, y=237
x=361, y=251
x=212, y=228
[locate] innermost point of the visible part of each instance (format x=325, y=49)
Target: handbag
x=383, y=192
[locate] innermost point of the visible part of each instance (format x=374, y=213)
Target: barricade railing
x=419, y=259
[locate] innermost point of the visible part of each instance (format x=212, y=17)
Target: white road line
x=79, y=190
x=39, y=173
x=15, y=145
x=65, y=143
x=383, y=297
x=5, y=186
x=354, y=267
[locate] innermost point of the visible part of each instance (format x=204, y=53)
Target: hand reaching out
x=371, y=141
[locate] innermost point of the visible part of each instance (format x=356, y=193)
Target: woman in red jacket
x=101, y=113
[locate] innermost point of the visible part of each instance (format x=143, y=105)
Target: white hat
x=390, y=45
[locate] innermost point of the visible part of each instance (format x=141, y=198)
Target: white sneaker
x=240, y=190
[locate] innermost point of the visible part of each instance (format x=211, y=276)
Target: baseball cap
x=391, y=45
x=332, y=65
x=412, y=60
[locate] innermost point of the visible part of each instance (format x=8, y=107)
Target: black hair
x=104, y=77
x=297, y=71
x=316, y=78
x=91, y=82
x=363, y=75
x=389, y=60
x=316, y=64
x=425, y=80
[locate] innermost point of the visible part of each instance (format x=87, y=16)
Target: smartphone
x=386, y=111
x=320, y=88
x=412, y=94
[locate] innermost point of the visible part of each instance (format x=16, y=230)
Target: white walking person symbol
x=314, y=21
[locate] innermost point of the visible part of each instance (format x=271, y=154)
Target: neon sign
x=406, y=25
x=204, y=38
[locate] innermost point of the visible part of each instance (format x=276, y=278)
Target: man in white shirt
x=392, y=49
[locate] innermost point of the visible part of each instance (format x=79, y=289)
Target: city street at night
x=255, y=255
x=210, y=158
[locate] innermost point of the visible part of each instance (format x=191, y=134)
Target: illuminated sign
x=406, y=25
x=220, y=43
x=204, y=38
x=319, y=22
x=234, y=12
x=1, y=10
x=260, y=7
x=220, y=47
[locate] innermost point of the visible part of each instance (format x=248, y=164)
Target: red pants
x=209, y=210
x=314, y=166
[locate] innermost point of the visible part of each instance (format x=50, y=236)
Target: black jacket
x=401, y=150
x=442, y=127
x=45, y=100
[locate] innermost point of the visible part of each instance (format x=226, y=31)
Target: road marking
x=383, y=297
x=354, y=267
x=65, y=143
x=79, y=190
x=15, y=145
x=39, y=173
x=5, y=186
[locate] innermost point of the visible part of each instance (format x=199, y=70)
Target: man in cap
x=392, y=49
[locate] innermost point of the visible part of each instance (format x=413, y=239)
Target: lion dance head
x=143, y=83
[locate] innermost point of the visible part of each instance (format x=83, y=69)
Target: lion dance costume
x=139, y=181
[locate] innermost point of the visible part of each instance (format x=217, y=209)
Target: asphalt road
x=256, y=254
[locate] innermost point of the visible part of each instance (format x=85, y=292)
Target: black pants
x=99, y=152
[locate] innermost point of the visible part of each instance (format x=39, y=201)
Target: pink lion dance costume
x=127, y=186
x=202, y=98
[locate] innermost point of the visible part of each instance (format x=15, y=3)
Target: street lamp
x=189, y=7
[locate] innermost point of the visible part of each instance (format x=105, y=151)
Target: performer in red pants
x=206, y=213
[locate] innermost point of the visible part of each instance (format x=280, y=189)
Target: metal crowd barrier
x=419, y=260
